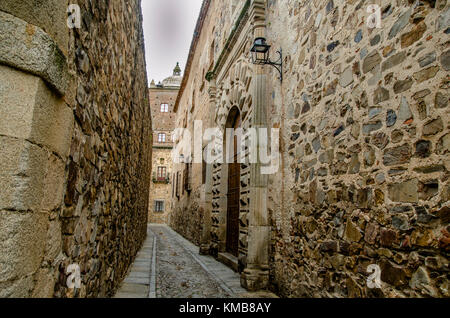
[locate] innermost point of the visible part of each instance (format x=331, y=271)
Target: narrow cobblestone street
x=169, y=266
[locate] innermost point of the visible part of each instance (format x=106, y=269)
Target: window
x=193, y=101
x=161, y=137
x=159, y=206
x=164, y=108
x=162, y=171
x=177, y=191
x=173, y=185
x=211, y=55
x=187, y=175
x=204, y=166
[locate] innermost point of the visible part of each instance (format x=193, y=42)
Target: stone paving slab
x=169, y=266
x=137, y=282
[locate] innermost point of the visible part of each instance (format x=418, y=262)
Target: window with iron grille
x=187, y=177
x=162, y=172
x=173, y=184
x=178, y=185
x=164, y=108
x=159, y=206
x=204, y=167
x=161, y=137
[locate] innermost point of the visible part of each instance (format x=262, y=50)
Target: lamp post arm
x=278, y=64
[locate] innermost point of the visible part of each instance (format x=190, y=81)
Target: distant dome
x=175, y=79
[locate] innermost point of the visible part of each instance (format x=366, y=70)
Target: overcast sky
x=168, y=29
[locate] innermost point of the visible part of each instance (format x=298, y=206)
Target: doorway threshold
x=229, y=260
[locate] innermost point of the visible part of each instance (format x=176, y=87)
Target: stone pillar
x=256, y=275
x=35, y=133
x=207, y=204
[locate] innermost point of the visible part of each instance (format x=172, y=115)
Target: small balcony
x=160, y=179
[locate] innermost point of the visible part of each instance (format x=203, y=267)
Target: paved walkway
x=169, y=266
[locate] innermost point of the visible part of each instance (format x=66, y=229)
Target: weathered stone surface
x=414, y=35
x=329, y=246
x=441, y=100
x=426, y=74
x=28, y=110
x=420, y=279
x=433, y=127
x=427, y=59
x=404, y=85
x=400, y=222
x=44, y=14
x=393, y=274
x=404, y=191
x=392, y=61
x=346, y=77
x=30, y=49
x=358, y=36
x=380, y=95
x=23, y=241
x=443, y=146
x=421, y=94
x=372, y=60
x=372, y=230
x=388, y=237
x=380, y=139
x=374, y=111
x=445, y=60
x=404, y=112
x=397, y=155
x=400, y=23
x=370, y=127
x=423, y=148
x=352, y=232
x=391, y=118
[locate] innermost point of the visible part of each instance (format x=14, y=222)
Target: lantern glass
x=260, y=51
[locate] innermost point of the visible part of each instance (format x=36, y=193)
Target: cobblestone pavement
x=169, y=266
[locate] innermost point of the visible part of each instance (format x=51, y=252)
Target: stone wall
x=75, y=132
x=193, y=104
x=159, y=189
x=163, y=122
x=365, y=121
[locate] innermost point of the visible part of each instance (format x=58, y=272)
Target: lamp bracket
x=277, y=64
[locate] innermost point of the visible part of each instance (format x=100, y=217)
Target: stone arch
x=231, y=177
x=233, y=92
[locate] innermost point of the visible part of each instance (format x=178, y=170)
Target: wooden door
x=234, y=177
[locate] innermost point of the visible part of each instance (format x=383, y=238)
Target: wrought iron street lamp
x=261, y=55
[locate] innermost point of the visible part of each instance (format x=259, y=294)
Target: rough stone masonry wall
x=104, y=220
x=366, y=140
x=75, y=133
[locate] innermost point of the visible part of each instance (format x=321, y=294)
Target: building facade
x=75, y=146
x=162, y=102
x=360, y=120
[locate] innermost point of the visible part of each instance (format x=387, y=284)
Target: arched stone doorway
x=233, y=181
